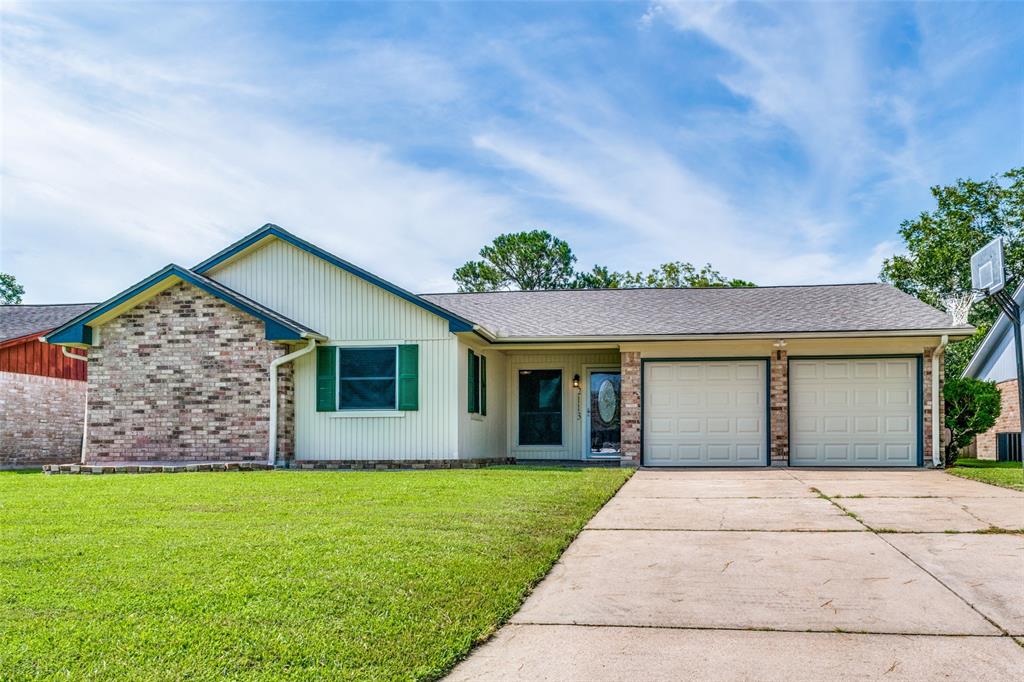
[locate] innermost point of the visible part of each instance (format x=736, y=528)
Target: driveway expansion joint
x=906, y=556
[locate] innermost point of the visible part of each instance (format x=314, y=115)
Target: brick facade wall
x=779, y=403
x=630, y=411
x=183, y=377
x=40, y=420
x=1008, y=421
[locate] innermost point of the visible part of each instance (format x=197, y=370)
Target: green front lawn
x=274, y=575
x=1006, y=474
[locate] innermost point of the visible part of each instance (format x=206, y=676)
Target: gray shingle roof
x=658, y=312
x=21, y=320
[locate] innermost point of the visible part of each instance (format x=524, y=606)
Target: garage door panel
x=748, y=425
x=718, y=372
x=867, y=370
x=834, y=399
x=716, y=413
x=897, y=398
x=835, y=370
x=899, y=370
x=865, y=414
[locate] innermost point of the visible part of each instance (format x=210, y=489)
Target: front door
x=604, y=435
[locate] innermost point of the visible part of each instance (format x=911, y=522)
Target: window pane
x=540, y=407
x=367, y=394
x=366, y=362
x=366, y=378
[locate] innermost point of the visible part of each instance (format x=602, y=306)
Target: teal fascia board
x=455, y=322
x=77, y=330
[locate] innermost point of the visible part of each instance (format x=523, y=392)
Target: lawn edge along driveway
x=275, y=575
x=1002, y=474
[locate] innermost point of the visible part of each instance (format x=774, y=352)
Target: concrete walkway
x=779, y=575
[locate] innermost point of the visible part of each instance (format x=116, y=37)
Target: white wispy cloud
x=138, y=134
x=111, y=178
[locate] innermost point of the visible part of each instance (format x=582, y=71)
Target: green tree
x=939, y=244
x=972, y=407
x=599, y=277
x=537, y=260
x=10, y=290
x=520, y=260
x=678, y=274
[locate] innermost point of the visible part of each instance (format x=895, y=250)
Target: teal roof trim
x=277, y=327
x=455, y=322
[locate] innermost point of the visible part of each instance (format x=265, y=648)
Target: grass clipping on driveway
x=275, y=575
x=1005, y=474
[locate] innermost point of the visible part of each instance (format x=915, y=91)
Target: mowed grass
x=274, y=575
x=1006, y=474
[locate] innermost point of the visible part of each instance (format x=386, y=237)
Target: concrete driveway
x=779, y=575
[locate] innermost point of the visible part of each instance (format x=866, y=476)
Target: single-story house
x=276, y=350
x=995, y=360
x=42, y=391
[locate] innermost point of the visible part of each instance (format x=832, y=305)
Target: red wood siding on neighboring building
x=27, y=355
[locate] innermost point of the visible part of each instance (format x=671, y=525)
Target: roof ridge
x=546, y=291
x=40, y=305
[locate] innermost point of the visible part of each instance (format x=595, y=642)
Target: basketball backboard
x=987, y=273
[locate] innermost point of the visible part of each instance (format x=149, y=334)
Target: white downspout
x=85, y=418
x=272, y=450
x=936, y=405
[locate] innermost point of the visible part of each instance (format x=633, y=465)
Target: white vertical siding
x=573, y=412
x=351, y=311
x=483, y=436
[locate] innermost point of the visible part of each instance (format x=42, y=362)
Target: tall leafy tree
x=537, y=260
x=939, y=244
x=678, y=274
x=520, y=260
x=10, y=290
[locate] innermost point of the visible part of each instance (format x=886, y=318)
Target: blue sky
x=783, y=143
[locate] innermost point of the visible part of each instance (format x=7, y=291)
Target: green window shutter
x=326, y=379
x=471, y=382
x=409, y=377
x=483, y=385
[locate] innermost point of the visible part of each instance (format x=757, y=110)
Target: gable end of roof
x=277, y=327
x=456, y=323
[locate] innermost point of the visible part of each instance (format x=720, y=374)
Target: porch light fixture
x=575, y=380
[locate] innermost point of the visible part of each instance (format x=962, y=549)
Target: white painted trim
x=537, y=343
x=366, y=414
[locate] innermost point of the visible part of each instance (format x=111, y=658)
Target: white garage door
x=853, y=412
x=705, y=413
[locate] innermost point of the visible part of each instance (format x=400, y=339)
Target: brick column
x=286, y=410
x=630, y=410
x=779, y=404
x=926, y=424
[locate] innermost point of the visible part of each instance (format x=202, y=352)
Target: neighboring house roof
x=456, y=323
x=21, y=320
x=994, y=359
x=277, y=327
x=703, y=311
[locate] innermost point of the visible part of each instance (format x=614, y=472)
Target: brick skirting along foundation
x=335, y=465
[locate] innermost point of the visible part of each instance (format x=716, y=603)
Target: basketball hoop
x=958, y=305
x=988, y=278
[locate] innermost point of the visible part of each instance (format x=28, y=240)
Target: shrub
x=972, y=407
